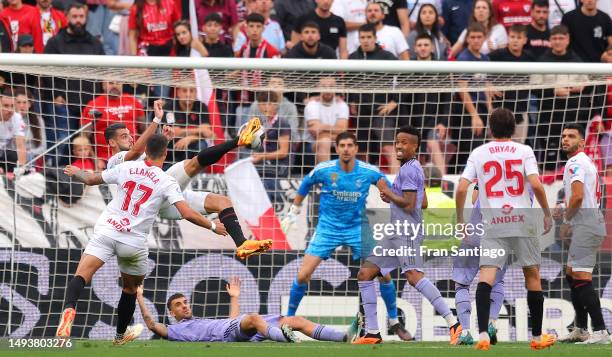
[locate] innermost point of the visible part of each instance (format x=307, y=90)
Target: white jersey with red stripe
x=501, y=168
x=142, y=189
x=581, y=168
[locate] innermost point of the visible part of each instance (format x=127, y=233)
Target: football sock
x=295, y=296
x=483, y=306
x=535, y=301
x=76, y=284
x=367, y=290
x=230, y=221
x=581, y=319
x=276, y=334
x=590, y=300
x=389, y=296
x=211, y=155
x=463, y=305
x=497, y=299
x=431, y=293
x=125, y=310
x=325, y=333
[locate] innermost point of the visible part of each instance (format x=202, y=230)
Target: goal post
x=66, y=101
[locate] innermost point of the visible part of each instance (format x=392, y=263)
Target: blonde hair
x=81, y=140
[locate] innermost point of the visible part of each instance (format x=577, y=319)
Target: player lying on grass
x=237, y=328
x=345, y=184
x=143, y=188
x=124, y=149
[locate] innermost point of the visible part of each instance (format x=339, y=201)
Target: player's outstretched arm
x=139, y=146
x=194, y=217
x=86, y=177
x=540, y=195
x=233, y=290
x=156, y=327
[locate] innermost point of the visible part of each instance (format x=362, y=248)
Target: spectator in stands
x=288, y=13
x=538, y=33
x=310, y=46
x=272, y=161
x=120, y=25
x=377, y=115
x=150, y=27
x=325, y=118
x=83, y=154
x=6, y=35
x=427, y=22
x=456, y=14
x=423, y=48
x=272, y=30
x=191, y=124
x=24, y=19
x=474, y=106
x=256, y=46
x=99, y=18
x=353, y=12
x=51, y=19
x=212, y=40
x=510, y=12
x=482, y=13
x=25, y=44
x=558, y=8
x=12, y=134
x=388, y=37
x=35, y=140
x=396, y=14
x=184, y=41
x=590, y=31
x=225, y=8
x=561, y=102
x=515, y=100
x=331, y=27
x=111, y=107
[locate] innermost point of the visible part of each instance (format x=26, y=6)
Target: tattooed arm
x=86, y=177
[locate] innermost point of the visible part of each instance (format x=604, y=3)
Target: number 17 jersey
x=501, y=168
x=142, y=189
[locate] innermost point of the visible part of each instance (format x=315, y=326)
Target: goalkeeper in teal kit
x=345, y=184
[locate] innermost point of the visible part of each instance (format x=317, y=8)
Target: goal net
x=61, y=105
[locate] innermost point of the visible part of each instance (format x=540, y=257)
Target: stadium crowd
x=38, y=112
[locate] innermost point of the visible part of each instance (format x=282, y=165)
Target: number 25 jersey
x=142, y=189
x=501, y=168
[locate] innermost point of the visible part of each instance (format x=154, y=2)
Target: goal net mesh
x=47, y=220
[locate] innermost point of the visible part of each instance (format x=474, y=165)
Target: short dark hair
x=518, y=28
x=156, y=146
x=7, y=92
x=502, y=123
x=540, y=3
x=410, y=130
x=75, y=5
x=172, y=298
x=577, y=127
x=266, y=96
x=310, y=25
x=111, y=131
x=475, y=27
x=214, y=17
x=255, y=17
x=346, y=135
x=423, y=36
x=368, y=28
x=559, y=30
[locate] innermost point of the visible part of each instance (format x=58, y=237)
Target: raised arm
x=139, y=146
x=156, y=327
x=233, y=290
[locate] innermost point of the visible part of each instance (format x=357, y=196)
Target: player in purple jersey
x=407, y=199
x=237, y=328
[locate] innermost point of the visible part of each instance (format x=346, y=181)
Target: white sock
x=484, y=336
x=536, y=338
x=373, y=332
x=464, y=332
x=393, y=321
x=451, y=320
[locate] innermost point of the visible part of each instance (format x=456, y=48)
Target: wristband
x=213, y=226
x=157, y=120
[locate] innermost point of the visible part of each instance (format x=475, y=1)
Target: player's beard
x=571, y=150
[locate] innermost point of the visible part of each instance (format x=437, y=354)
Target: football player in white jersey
x=503, y=169
x=122, y=230
x=583, y=223
x=124, y=149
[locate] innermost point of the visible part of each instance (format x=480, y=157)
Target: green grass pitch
x=157, y=348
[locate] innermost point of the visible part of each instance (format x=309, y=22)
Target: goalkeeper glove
x=288, y=222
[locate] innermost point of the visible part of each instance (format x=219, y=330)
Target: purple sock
x=325, y=333
x=463, y=305
x=275, y=334
x=431, y=293
x=497, y=300
x=368, y=301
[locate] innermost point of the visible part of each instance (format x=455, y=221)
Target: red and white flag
x=251, y=202
x=207, y=95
